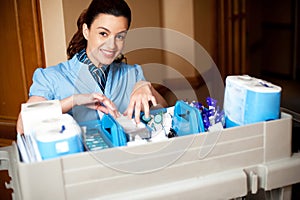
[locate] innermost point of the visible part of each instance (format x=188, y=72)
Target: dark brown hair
x=112, y=7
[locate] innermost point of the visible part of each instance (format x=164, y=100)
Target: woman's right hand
x=96, y=101
x=19, y=125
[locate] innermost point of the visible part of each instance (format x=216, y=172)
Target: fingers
x=146, y=107
x=105, y=110
x=130, y=109
x=105, y=105
x=139, y=103
x=19, y=126
x=137, y=112
x=97, y=101
x=106, y=102
x=153, y=100
x=114, y=113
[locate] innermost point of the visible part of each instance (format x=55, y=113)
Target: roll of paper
x=249, y=100
x=33, y=113
x=58, y=136
x=51, y=133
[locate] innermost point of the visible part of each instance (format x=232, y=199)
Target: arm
x=94, y=101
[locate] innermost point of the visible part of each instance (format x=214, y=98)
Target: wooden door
x=231, y=17
x=20, y=53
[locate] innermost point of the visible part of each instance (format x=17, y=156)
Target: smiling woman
x=105, y=40
x=93, y=79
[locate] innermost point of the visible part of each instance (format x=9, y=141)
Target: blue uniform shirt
x=73, y=77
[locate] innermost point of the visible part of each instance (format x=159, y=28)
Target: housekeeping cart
x=227, y=164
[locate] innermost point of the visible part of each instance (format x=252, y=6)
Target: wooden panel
x=21, y=53
x=205, y=32
x=11, y=84
x=278, y=35
x=8, y=129
x=4, y=178
x=232, y=36
x=31, y=38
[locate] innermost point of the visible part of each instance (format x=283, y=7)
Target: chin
x=107, y=61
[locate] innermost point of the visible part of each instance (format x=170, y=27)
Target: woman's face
x=105, y=38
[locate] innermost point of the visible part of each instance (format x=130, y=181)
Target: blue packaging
x=61, y=147
x=249, y=100
x=187, y=119
x=113, y=131
x=104, y=133
x=58, y=137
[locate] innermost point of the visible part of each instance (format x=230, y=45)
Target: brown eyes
x=119, y=37
x=104, y=34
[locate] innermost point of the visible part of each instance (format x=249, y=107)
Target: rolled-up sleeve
x=139, y=73
x=41, y=85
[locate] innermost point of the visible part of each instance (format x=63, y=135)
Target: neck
x=94, y=61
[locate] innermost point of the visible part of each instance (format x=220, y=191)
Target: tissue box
x=248, y=100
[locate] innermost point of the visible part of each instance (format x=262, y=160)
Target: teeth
x=108, y=52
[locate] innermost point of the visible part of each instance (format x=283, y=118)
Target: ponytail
x=78, y=42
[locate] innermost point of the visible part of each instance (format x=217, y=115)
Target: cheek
x=99, y=42
x=96, y=42
x=120, y=45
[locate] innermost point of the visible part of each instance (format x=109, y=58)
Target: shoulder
x=133, y=72
x=125, y=67
x=59, y=69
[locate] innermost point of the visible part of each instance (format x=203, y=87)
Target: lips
x=108, y=53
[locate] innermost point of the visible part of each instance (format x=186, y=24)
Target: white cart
x=218, y=165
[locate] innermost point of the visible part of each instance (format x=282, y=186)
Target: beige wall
x=72, y=9
x=145, y=13
x=178, y=15
x=59, y=19
x=53, y=31
x=205, y=25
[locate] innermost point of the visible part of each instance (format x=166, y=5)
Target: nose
x=111, y=43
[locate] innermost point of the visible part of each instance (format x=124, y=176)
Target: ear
x=85, y=31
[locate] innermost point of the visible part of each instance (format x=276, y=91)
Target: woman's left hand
x=139, y=100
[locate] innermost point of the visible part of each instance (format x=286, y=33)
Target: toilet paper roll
x=249, y=100
x=35, y=112
x=58, y=136
x=55, y=129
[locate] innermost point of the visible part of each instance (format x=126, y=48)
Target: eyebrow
x=101, y=27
